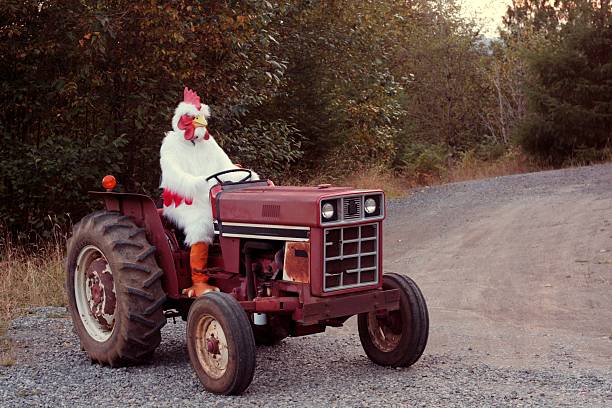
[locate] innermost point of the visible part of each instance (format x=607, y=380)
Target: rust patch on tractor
x=102, y=299
x=297, y=262
x=111, y=301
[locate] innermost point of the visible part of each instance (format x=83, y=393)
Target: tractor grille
x=351, y=257
x=351, y=208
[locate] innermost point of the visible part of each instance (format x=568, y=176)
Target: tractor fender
x=142, y=210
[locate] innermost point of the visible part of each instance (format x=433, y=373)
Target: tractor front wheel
x=396, y=338
x=220, y=344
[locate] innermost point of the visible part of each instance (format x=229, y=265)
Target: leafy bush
x=270, y=148
x=89, y=87
x=423, y=159
x=43, y=184
x=490, y=150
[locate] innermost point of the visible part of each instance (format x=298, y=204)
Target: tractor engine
x=267, y=266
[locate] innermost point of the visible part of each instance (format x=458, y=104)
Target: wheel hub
x=100, y=296
x=95, y=293
x=211, y=347
x=385, y=329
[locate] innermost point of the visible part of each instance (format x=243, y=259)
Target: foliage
x=88, y=88
x=340, y=90
x=271, y=148
x=570, y=91
x=445, y=85
x=366, y=80
x=425, y=159
x=35, y=178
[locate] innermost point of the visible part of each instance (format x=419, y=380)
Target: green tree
x=570, y=88
x=373, y=83
x=445, y=88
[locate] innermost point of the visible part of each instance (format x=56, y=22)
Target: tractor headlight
x=327, y=211
x=370, y=206
x=373, y=205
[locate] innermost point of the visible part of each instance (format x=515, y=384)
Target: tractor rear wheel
x=396, y=338
x=220, y=344
x=114, y=289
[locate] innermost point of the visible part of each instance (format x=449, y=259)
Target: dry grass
x=378, y=178
x=29, y=276
x=512, y=162
x=469, y=167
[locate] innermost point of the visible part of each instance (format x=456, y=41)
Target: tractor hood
x=280, y=205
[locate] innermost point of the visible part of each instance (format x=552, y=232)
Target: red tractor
x=289, y=261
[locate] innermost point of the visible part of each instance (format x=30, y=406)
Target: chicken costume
x=189, y=155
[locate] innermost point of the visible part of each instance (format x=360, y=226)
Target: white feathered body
x=185, y=166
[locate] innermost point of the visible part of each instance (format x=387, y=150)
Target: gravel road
x=517, y=272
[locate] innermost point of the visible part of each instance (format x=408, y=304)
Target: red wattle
x=186, y=123
x=189, y=133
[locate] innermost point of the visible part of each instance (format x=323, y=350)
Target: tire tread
x=239, y=328
x=412, y=347
x=137, y=283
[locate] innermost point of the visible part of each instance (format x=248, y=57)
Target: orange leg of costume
x=198, y=258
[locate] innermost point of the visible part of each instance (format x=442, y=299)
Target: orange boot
x=198, y=258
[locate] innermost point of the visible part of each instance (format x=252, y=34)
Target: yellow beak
x=200, y=121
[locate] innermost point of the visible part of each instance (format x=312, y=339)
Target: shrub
x=48, y=181
x=425, y=159
x=269, y=147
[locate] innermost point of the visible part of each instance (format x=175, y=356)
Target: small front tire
x=396, y=338
x=220, y=344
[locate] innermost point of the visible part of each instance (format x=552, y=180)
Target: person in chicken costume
x=189, y=155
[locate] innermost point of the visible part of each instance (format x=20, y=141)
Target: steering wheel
x=242, y=180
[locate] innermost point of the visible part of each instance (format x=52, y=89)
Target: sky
x=490, y=12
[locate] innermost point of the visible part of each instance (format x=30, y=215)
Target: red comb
x=191, y=97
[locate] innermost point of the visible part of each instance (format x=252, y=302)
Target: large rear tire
x=114, y=289
x=220, y=344
x=396, y=338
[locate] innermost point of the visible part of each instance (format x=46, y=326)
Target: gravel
x=319, y=370
x=327, y=369
x=469, y=195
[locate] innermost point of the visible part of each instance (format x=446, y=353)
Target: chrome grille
x=351, y=208
x=351, y=257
